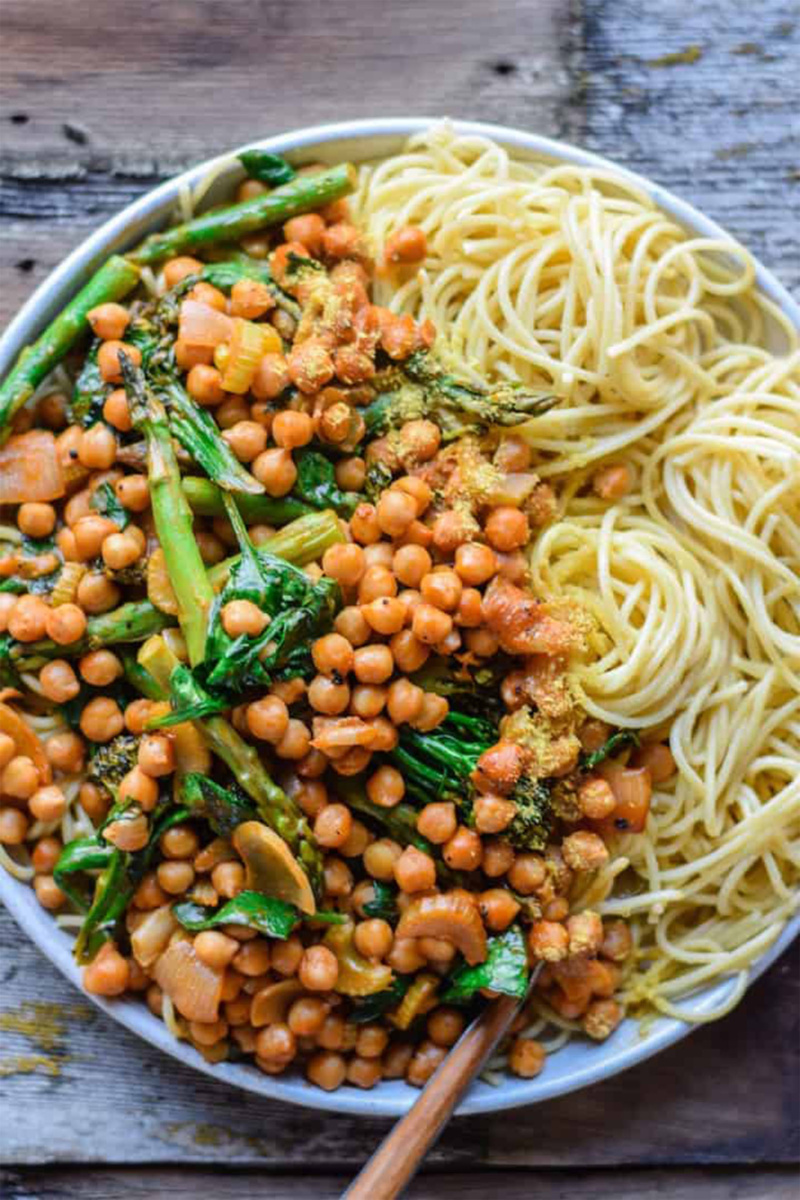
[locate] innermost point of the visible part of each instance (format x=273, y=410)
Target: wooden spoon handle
x=399, y=1155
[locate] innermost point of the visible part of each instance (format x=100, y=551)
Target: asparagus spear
x=301, y=542
x=199, y=434
x=114, y=280
x=299, y=195
x=171, y=513
x=244, y=763
x=205, y=499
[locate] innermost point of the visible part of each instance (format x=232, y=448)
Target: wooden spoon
x=401, y=1152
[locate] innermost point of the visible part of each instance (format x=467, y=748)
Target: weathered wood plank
x=104, y=1184
x=699, y=1103
x=721, y=129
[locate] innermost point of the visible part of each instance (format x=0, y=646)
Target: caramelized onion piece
x=152, y=934
x=447, y=916
x=632, y=788
x=271, y=867
x=271, y=1003
x=25, y=741
x=522, y=624
x=193, y=987
x=30, y=468
x=201, y=325
x=357, y=975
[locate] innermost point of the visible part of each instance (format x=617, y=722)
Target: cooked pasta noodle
x=660, y=348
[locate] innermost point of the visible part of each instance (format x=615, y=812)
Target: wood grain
x=98, y=101
x=104, y=1184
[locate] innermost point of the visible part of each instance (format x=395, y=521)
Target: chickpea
x=250, y=298
x=352, y=625
x=345, y=563
x=373, y=664
x=100, y=668
x=7, y=605
x=596, y=799
x=175, y=876
x=253, y=958
x=475, y=563
x=425, y=1062
x=247, y=439
x=48, y=893
x=101, y=719
x=108, y=974
x=380, y=857
x=309, y=230
x=319, y=969
x=333, y=655
x=307, y=1016
x=28, y=619
x=96, y=594
x=463, y=851
x=373, y=938
x=414, y=870
x=116, y=411
x=408, y=651
x=613, y=481
x=289, y=690
x=507, y=528
x=45, y=854
x=276, y=1042
x=176, y=269
x=215, y=949
x=338, y=878
x=386, y=615
x=469, y=614
x=310, y=365
x=601, y=1018
x=98, y=448
x=48, y=804
x=13, y=826
x=133, y=492
x=395, y=511
x=386, y=787
x=156, y=756
x=286, y=956
x=268, y=719
x=430, y=625
x=498, y=908
x=527, y=874
x=292, y=429
x=437, y=821
x=367, y=701
x=548, y=940
x=332, y=826
x=527, y=1057
x=276, y=470
x=36, y=520
x=357, y=841
x=404, y=701
x=411, y=564
x=65, y=752
x=445, y=1025
x=295, y=742
x=584, y=851
x=243, y=618
x=396, y=1060
x=493, y=814
x=432, y=712
x=406, y=245
x=327, y=696
x=139, y=788
x=376, y=583
x=20, y=778
x=58, y=681
x=364, y=525
x=327, y=1070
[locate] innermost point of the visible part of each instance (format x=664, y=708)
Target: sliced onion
x=193, y=987
x=447, y=916
x=25, y=740
x=202, y=325
x=30, y=468
x=271, y=1003
x=152, y=935
x=514, y=488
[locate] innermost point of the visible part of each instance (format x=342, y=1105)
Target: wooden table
x=100, y=101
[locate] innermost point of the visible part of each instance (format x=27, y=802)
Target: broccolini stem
x=132, y=622
x=114, y=280
x=301, y=542
x=205, y=499
x=199, y=434
x=172, y=514
x=299, y=195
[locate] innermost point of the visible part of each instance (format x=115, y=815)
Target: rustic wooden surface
x=99, y=101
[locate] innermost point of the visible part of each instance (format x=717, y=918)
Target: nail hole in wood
x=504, y=68
x=19, y=118
x=26, y=265
x=73, y=133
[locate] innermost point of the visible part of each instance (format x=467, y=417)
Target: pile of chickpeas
x=413, y=570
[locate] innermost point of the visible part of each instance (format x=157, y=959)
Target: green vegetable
x=132, y=622
x=223, y=808
x=82, y=854
x=472, y=690
x=316, y=484
x=533, y=822
x=271, y=169
x=199, y=434
x=239, y=265
x=623, y=737
x=112, y=281
x=374, y=1006
x=171, y=513
x=420, y=388
x=384, y=902
x=90, y=391
x=205, y=499
x=505, y=970
x=274, y=918
x=299, y=195
x=105, y=501
x=378, y=478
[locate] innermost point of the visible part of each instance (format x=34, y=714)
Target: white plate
x=579, y=1063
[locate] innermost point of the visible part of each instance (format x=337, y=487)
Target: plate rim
x=18, y=898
